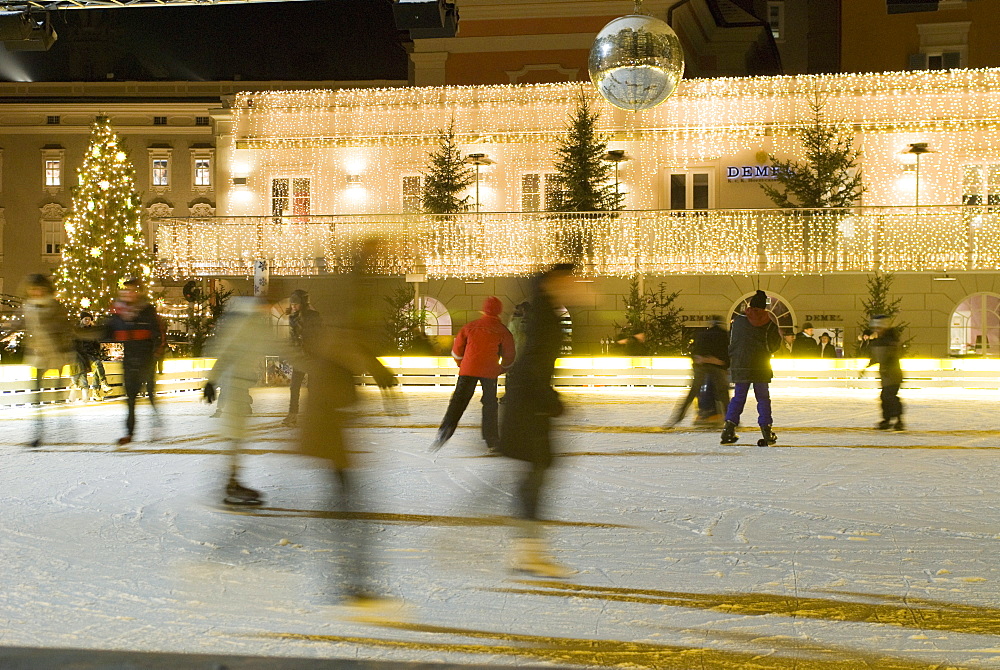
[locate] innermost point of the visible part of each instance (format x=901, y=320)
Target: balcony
x=661, y=242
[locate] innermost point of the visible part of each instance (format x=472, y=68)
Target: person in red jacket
x=484, y=349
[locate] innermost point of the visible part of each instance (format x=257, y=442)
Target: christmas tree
x=582, y=173
x=104, y=240
x=829, y=175
x=447, y=176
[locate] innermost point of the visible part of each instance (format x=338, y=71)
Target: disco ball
x=636, y=62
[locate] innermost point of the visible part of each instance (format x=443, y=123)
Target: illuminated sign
x=751, y=172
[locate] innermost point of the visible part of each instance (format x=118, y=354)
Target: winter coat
x=711, y=343
x=754, y=336
x=139, y=330
x=478, y=346
x=304, y=325
x=885, y=352
x=49, y=335
x=829, y=351
x=529, y=399
x=805, y=346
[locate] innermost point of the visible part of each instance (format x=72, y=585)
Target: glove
x=208, y=393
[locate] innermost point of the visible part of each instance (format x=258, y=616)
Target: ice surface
x=840, y=547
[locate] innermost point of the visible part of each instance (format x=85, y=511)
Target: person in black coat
x=754, y=336
x=304, y=323
x=709, y=362
x=826, y=348
x=530, y=402
x=804, y=345
x=135, y=324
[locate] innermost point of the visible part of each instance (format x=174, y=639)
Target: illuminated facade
x=313, y=170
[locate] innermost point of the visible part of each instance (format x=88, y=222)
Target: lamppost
x=616, y=156
x=479, y=160
x=911, y=160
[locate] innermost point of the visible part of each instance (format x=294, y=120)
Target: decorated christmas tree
x=584, y=176
x=447, y=176
x=104, y=240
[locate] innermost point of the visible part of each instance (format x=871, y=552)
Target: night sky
x=282, y=41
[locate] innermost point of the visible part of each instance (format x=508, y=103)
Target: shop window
x=776, y=305
x=539, y=191
x=975, y=326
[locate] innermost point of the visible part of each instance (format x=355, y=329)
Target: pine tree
x=881, y=302
x=653, y=315
x=829, y=175
x=583, y=175
x=105, y=243
x=446, y=177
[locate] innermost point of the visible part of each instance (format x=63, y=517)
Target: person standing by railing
x=49, y=339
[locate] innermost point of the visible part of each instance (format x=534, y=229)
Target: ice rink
x=841, y=547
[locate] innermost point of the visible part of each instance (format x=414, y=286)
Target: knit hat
x=299, y=297
x=759, y=300
x=492, y=306
x=881, y=321
x=86, y=315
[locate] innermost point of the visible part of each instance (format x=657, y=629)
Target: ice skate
x=85, y=394
x=124, y=441
x=438, y=441
x=290, y=420
x=885, y=424
x=729, y=435
x=74, y=394
x=899, y=424
x=530, y=557
x=237, y=494
x=372, y=608
x=768, y=438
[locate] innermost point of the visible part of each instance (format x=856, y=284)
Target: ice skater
x=243, y=340
x=709, y=362
x=303, y=322
x=135, y=324
x=530, y=402
x=48, y=342
x=89, y=360
x=885, y=349
x=484, y=349
x=753, y=337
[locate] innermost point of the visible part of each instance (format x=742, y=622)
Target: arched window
x=975, y=326
x=776, y=305
x=438, y=318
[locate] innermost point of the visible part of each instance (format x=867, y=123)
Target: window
x=53, y=237
x=975, y=326
x=981, y=185
x=690, y=189
x=161, y=171
x=52, y=120
x=776, y=305
x=290, y=196
x=159, y=120
x=538, y=190
x=776, y=18
x=201, y=120
x=413, y=194
x=202, y=171
x=53, y=172
x=437, y=319
x=943, y=46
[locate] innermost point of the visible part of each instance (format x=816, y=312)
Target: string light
x=378, y=136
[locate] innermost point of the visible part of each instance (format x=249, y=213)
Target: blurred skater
x=709, y=362
x=517, y=325
x=134, y=323
x=753, y=338
x=304, y=322
x=885, y=349
x=244, y=338
x=530, y=402
x=484, y=349
x=87, y=341
x=48, y=339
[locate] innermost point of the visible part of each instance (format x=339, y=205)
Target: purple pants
x=763, y=395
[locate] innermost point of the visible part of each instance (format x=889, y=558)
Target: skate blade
x=240, y=502
x=374, y=610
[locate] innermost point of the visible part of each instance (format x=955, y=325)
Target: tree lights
x=105, y=244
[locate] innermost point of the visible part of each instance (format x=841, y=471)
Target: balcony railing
x=747, y=241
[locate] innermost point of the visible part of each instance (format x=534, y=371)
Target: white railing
x=662, y=242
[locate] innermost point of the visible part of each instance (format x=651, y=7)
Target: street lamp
x=478, y=160
x=616, y=156
x=911, y=161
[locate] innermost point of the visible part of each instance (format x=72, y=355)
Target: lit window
x=160, y=172
x=776, y=18
x=53, y=173
x=202, y=171
x=412, y=194
x=53, y=235
x=539, y=191
x=290, y=197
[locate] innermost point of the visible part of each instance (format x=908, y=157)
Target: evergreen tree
x=654, y=316
x=104, y=239
x=583, y=175
x=880, y=301
x=446, y=177
x=827, y=178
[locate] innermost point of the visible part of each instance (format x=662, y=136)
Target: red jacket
x=480, y=344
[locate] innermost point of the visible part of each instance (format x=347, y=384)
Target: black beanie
x=759, y=300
